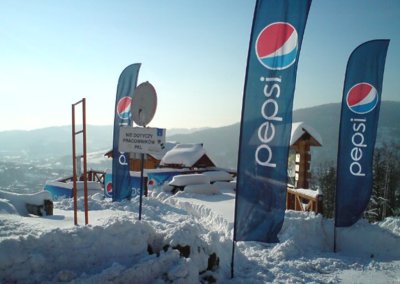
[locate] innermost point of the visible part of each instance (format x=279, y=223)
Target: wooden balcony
x=304, y=200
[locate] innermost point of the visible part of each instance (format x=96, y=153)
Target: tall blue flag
x=120, y=167
x=358, y=125
x=275, y=42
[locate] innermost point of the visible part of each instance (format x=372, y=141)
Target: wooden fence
x=304, y=200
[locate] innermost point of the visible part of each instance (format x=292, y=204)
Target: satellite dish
x=144, y=104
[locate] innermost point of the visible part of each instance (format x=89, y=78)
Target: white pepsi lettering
x=356, y=169
x=266, y=131
x=266, y=163
x=358, y=141
x=356, y=154
x=274, y=107
x=358, y=127
x=135, y=191
x=122, y=159
x=263, y=132
x=273, y=88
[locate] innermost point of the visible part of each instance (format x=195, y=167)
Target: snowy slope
x=115, y=246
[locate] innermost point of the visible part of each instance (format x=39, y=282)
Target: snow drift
x=185, y=239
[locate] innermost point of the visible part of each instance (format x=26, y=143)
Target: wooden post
x=85, y=185
x=85, y=174
x=74, y=189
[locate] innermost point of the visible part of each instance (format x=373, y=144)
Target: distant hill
x=52, y=142
x=221, y=143
x=325, y=119
x=175, y=131
x=57, y=141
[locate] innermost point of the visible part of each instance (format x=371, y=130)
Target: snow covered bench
x=205, y=188
x=216, y=176
x=45, y=209
x=179, y=182
x=205, y=183
x=39, y=203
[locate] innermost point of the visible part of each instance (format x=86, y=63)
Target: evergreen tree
x=385, y=195
x=326, y=181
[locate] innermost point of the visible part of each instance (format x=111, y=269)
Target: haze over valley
x=29, y=158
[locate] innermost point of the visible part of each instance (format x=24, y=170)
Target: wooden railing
x=92, y=175
x=304, y=200
x=96, y=176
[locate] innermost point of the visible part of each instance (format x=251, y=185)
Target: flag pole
x=334, y=238
x=240, y=140
x=233, y=259
x=335, y=208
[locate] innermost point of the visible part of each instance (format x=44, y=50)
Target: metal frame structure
x=84, y=156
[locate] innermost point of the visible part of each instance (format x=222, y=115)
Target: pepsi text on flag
x=121, y=180
x=358, y=127
x=277, y=54
x=361, y=99
x=266, y=130
x=357, y=139
x=275, y=42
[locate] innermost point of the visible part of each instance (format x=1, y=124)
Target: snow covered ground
x=117, y=248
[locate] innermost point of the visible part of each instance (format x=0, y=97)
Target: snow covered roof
x=168, y=147
x=185, y=155
x=156, y=155
x=299, y=128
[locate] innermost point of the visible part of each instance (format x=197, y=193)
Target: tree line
x=385, y=196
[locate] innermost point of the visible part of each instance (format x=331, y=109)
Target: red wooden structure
x=84, y=156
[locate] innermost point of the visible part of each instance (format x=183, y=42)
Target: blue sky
x=53, y=53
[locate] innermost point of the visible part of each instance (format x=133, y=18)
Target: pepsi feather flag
x=274, y=49
x=358, y=126
x=121, y=181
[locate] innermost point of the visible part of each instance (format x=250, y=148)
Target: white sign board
x=141, y=140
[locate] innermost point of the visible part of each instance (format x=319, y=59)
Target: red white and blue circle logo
x=124, y=107
x=109, y=189
x=277, y=46
x=362, y=98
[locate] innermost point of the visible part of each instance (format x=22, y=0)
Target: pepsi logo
x=362, y=98
x=124, y=107
x=277, y=46
x=109, y=188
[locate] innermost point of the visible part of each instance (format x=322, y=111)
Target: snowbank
x=188, y=179
x=187, y=238
x=13, y=203
x=202, y=189
x=218, y=176
x=6, y=207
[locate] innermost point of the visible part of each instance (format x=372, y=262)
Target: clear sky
x=53, y=53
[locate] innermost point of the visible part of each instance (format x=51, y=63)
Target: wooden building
x=174, y=155
x=191, y=156
x=151, y=161
x=303, y=137
x=299, y=197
